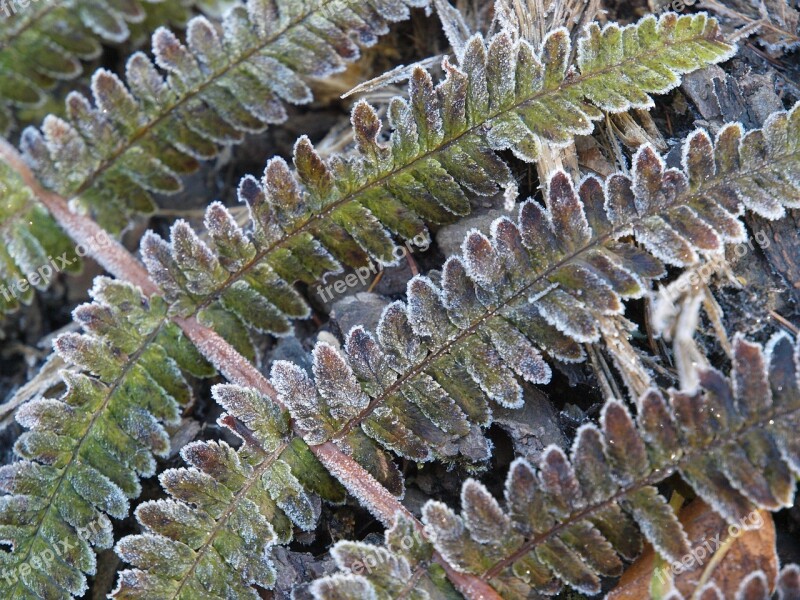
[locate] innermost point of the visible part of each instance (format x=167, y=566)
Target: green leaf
x=33, y=248
x=227, y=509
x=538, y=287
x=193, y=97
x=546, y=528
x=84, y=453
x=343, y=213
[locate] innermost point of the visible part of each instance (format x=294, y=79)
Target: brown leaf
x=721, y=555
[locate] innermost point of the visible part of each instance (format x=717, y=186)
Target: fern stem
x=113, y=257
x=381, y=178
x=189, y=95
x=224, y=357
x=659, y=474
x=237, y=369
x=371, y=494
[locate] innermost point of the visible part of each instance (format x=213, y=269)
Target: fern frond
x=401, y=568
x=33, y=248
x=228, y=80
x=424, y=384
x=48, y=42
x=84, y=453
x=733, y=440
x=212, y=538
x=503, y=94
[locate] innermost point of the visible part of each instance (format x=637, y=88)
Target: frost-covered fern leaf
x=33, y=249
x=401, y=568
x=503, y=94
x=81, y=460
x=570, y=520
x=755, y=585
x=211, y=539
x=228, y=80
x=788, y=587
x=426, y=381
x=47, y=42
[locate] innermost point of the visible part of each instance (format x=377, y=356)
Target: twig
x=376, y=281
x=750, y=24
x=120, y=263
x=412, y=264
x=603, y=376
x=785, y=323
x=716, y=559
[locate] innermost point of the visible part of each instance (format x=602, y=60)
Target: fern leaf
x=503, y=94
x=401, y=568
x=33, y=249
x=754, y=585
x=719, y=437
x=139, y=137
x=81, y=460
x=213, y=536
x=789, y=582
x=47, y=42
x=540, y=286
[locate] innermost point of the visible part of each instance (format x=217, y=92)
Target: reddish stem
x=385, y=507
x=120, y=263
x=111, y=255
